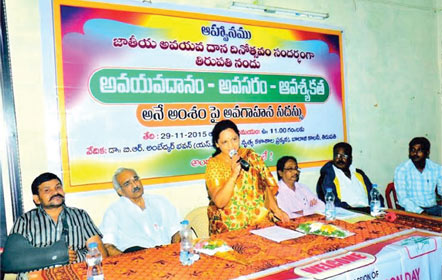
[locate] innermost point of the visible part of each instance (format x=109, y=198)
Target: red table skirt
x=254, y=252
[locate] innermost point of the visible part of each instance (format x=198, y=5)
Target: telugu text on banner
x=142, y=87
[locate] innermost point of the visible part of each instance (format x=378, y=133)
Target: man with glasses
x=416, y=180
x=350, y=185
x=136, y=220
x=294, y=198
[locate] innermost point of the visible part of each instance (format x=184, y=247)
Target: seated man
x=137, y=221
x=43, y=225
x=416, y=180
x=294, y=198
x=350, y=186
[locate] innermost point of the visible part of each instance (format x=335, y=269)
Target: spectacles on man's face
x=341, y=156
x=291, y=169
x=134, y=180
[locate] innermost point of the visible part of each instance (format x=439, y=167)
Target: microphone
x=244, y=164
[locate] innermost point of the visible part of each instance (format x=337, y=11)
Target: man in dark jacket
x=350, y=185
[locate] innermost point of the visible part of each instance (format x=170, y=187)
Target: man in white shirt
x=136, y=220
x=350, y=185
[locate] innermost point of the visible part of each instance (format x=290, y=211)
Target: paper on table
x=350, y=216
x=276, y=233
x=343, y=214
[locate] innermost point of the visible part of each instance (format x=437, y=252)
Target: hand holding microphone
x=244, y=164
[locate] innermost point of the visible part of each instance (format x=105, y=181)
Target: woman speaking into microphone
x=241, y=188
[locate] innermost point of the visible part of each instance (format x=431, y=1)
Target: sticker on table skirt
x=332, y=266
x=318, y=228
x=417, y=246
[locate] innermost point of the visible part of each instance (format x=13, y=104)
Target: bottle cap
x=185, y=222
x=92, y=245
x=375, y=185
x=328, y=189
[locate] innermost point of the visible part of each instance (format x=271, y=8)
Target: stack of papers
x=351, y=216
x=277, y=234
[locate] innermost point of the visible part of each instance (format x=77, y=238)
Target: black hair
x=425, y=144
x=347, y=148
x=41, y=179
x=220, y=127
x=281, y=163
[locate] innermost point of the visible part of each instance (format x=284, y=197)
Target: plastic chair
x=10, y=276
x=390, y=189
x=438, y=198
x=199, y=221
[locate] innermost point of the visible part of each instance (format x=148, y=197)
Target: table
x=410, y=254
x=426, y=222
x=256, y=254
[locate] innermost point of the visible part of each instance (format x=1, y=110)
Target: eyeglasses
x=342, y=156
x=292, y=169
x=134, y=180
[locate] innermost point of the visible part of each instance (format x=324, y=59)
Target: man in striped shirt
x=43, y=225
x=416, y=180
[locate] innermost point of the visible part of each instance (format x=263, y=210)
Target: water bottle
x=93, y=261
x=186, y=246
x=375, y=204
x=330, y=210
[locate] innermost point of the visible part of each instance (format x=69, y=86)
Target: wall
x=438, y=5
x=392, y=52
